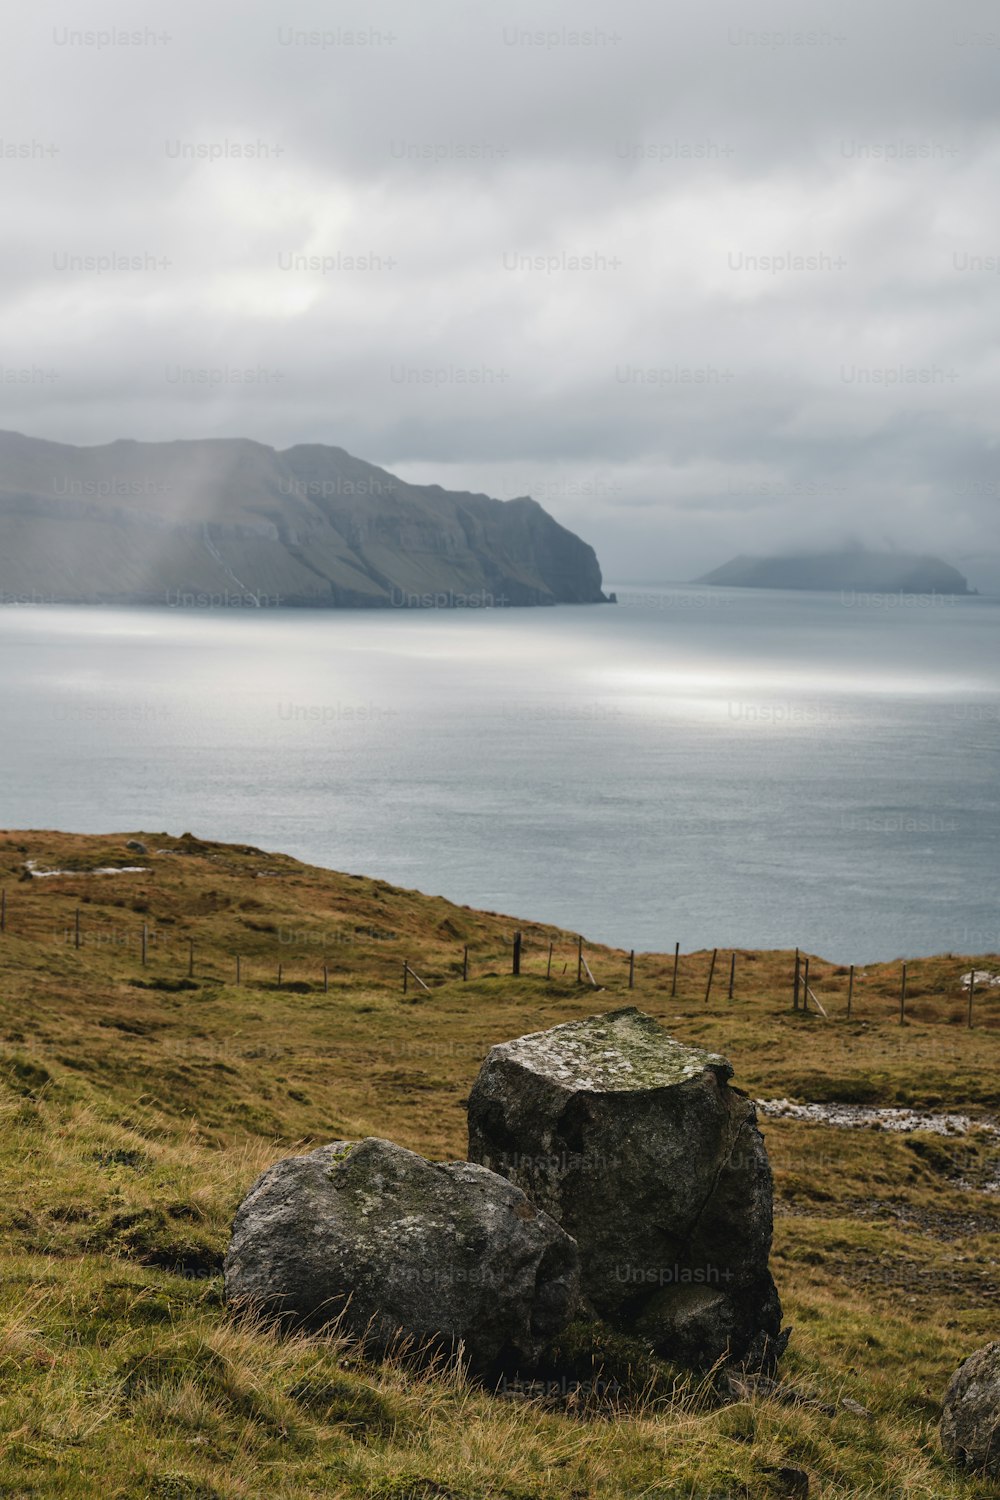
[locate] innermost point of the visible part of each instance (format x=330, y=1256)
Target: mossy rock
x=637, y=1145
x=403, y=1252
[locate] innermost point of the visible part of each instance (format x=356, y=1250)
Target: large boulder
x=970, y=1423
x=440, y=1253
x=638, y=1147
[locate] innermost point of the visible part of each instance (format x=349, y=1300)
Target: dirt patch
x=938, y=1222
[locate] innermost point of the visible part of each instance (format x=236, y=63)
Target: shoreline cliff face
x=155, y=523
x=855, y=570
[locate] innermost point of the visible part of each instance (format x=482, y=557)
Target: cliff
x=234, y=520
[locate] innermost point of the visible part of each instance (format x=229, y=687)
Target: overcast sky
x=703, y=278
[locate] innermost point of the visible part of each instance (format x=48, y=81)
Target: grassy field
x=139, y=1102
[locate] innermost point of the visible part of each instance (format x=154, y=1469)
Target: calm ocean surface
x=714, y=767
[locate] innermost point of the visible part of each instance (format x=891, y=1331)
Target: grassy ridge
x=138, y=1103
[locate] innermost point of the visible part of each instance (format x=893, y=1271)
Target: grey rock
x=636, y=1144
x=396, y=1245
x=970, y=1423
x=137, y=846
x=786, y=1479
x=698, y=1325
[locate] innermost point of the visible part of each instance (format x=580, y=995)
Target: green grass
x=138, y=1104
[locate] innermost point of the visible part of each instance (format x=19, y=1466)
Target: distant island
x=854, y=569
x=233, y=523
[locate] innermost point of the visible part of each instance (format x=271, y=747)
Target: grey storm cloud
x=700, y=278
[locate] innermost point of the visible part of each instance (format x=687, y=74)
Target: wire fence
x=301, y=960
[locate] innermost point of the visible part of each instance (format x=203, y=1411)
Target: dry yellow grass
x=137, y=1104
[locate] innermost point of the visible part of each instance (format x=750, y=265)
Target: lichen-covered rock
x=395, y=1245
x=638, y=1147
x=970, y=1423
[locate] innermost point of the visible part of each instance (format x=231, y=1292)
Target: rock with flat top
x=397, y=1247
x=639, y=1147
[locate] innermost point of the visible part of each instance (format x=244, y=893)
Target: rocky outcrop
x=970, y=1424
x=397, y=1247
x=637, y=1145
x=234, y=524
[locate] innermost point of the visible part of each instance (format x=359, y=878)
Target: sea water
x=715, y=767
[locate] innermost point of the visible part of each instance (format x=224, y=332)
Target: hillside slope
x=153, y=523
x=139, y=1101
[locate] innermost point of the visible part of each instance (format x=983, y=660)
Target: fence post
x=326, y=980
x=406, y=974
x=673, y=982
x=732, y=973
x=279, y=976
x=631, y=970
x=795, y=983
x=902, y=997
x=517, y=954
x=972, y=991
x=465, y=962
x=548, y=966
x=579, y=960
x=850, y=993
x=711, y=971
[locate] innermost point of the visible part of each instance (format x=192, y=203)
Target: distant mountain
x=229, y=520
x=854, y=569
